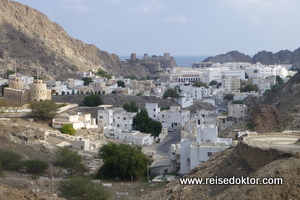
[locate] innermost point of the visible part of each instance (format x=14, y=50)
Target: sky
x=190, y=27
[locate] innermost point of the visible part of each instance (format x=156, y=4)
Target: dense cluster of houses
x=202, y=125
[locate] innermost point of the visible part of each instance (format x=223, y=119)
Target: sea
x=181, y=61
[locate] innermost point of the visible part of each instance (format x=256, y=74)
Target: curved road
x=286, y=143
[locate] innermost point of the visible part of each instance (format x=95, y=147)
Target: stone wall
x=116, y=100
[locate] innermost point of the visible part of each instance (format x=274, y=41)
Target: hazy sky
x=190, y=27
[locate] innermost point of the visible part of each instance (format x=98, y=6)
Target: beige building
x=18, y=93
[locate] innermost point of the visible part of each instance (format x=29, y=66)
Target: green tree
x=2, y=88
x=237, y=102
x=35, y=166
x=103, y=73
x=87, y=80
x=228, y=97
x=69, y=159
x=249, y=88
x=77, y=188
x=10, y=160
x=121, y=83
x=92, y=100
x=68, y=129
x=279, y=80
x=131, y=107
x=213, y=82
x=145, y=124
x=170, y=93
x=43, y=109
x=199, y=84
x=131, y=77
x=122, y=160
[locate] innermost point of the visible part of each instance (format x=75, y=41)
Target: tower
x=38, y=90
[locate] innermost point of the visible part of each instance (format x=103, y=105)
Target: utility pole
x=52, y=186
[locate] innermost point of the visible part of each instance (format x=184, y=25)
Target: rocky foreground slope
x=234, y=163
x=28, y=36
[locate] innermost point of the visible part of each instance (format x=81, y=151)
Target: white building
x=192, y=153
x=122, y=119
x=73, y=83
x=77, y=121
x=114, y=118
x=153, y=110
x=237, y=110
x=185, y=101
x=130, y=136
x=81, y=144
x=174, y=117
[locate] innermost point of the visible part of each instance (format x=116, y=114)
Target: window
x=209, y=154
x=124, y=118
x=154, y=109
x=100, y=117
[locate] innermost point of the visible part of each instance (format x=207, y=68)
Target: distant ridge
x=264, y=57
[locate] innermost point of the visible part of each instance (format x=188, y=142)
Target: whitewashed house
x=77, y=121
x=237, y=110
x=153, y=110
x=122, y=119
x=130, y=136
x=192, y=153
x=174, y=117
x=81, y=144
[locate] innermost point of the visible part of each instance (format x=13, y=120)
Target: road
x=172, y=138
x=286, y=143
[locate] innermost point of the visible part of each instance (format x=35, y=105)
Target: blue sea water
x=185, y=61
x=182, y=61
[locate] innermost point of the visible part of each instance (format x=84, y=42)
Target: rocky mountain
x=28, y=37
x=264, y=57
x=232, y=56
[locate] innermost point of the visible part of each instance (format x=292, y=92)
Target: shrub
x=35, y=166
x=10, y=160
x=92, y=100
x=68, y=129
x=69, y=159
x=82, y=188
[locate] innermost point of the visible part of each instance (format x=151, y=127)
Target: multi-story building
x=194, y=152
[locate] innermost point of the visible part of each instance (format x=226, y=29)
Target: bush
x=87, y=81
x=35, y=166
x=69, y=159
x=77, y=188
x=228, y=97
x=10, y=160
x=170, y=93
x=122, y=160
x=92, y=100
x=68, y=129
x=131, y=107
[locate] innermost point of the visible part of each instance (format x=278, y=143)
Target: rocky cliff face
x=232, y=56
x=28, y=36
